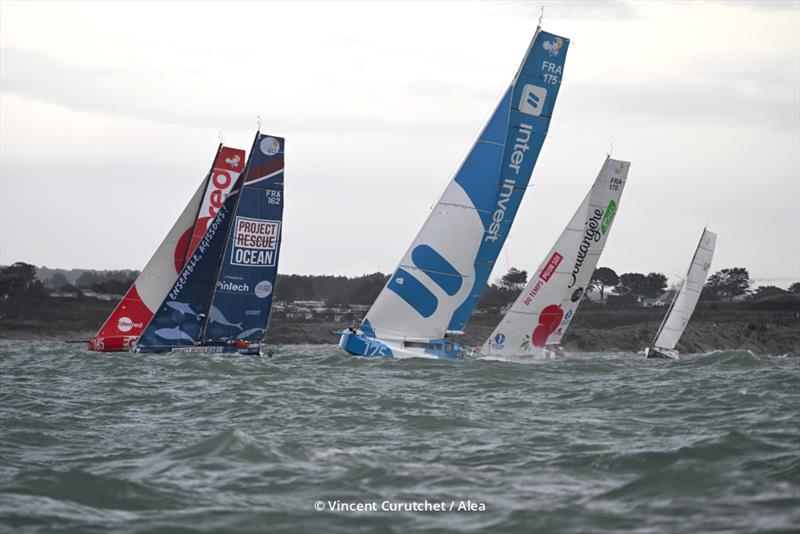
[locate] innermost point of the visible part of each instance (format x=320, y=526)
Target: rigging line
x=219, y=136
x=258, y=122
x=475, y=140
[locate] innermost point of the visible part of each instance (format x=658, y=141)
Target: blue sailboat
x=222, y=299
x=436, y=286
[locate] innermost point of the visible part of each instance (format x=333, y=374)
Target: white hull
x=653, y=353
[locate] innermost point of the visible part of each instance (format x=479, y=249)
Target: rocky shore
x=593, y=330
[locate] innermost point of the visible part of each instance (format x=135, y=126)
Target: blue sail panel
x=242, y=299
x=533, y=96
x=179, y=320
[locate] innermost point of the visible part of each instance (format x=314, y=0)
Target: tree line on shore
x=25, y=280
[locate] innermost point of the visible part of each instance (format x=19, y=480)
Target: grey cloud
x=723, y=99
x=112, y=92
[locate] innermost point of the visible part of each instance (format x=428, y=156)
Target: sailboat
x=685, y=300
x=222, y=299
x=125, y=324
x=434, y=289
x=544, y=309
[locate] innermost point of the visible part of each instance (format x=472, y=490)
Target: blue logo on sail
x=437, y=268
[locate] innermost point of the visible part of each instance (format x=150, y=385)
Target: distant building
x=654, y=303
x=621, y=301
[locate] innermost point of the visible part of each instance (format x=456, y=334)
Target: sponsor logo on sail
x=532, y=100
x=125, y=324
x=263, y=289
x=553, y=47
x=221, y=182
x=507, y=186
x=590, y=234
x=544, y=277
x=233, y=161
x=499, y=341
x=255, y=242
x=611, y=210
x=551, y=266
x=270, y=146
x=232, y=286
x=577, y=294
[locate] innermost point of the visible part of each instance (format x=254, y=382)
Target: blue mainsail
x=242, y=299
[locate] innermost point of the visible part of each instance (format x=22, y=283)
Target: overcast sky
x=110, y=112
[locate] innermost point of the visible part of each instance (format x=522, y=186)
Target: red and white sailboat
x=126, y=323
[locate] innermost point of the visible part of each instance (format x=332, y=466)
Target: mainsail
x=682, y=307
x=134, y=311
x=440, y=278
x=546, y=306
x=242, y=300
x=201, y=296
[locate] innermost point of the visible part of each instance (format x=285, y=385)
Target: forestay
x=548, y=303
x=439, y=279
x=685, y=300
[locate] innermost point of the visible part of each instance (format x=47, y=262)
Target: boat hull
x=208, y=349
x=112, y=343
x=653, y=353
x=361, y=345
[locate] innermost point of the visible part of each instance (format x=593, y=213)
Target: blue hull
x=361, y=345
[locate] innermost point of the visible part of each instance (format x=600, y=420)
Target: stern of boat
x=654, y=353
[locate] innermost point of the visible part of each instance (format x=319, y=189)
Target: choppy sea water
x=589, y=443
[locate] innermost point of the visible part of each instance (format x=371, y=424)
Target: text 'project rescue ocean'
x=216, y=295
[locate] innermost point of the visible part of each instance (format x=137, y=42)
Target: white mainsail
x=685, y=300
x=544, y=309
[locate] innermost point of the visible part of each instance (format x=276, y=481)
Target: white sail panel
x=456, y=232
x=547, y=304
x=607, y=195
x=689, y=293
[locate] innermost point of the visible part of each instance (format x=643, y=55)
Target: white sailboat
x=540, y=315
x=685, y=300
x=434, y=289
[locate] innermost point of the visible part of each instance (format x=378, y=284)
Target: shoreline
x=594, y=329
